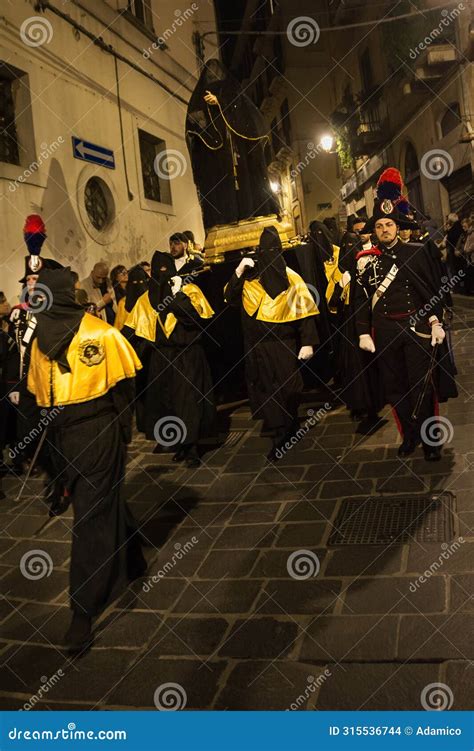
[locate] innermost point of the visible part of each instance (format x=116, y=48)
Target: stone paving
x=225, y=620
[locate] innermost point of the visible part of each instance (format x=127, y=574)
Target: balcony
x=369, y=136
x=431, y=66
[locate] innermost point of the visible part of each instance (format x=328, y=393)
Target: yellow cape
x=333, y=275
x=120, y=315
x=292, y=304
x=143, y=317
x=99, y=357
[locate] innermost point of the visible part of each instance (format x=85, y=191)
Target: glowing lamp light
x=274, y=186
x=327, y=142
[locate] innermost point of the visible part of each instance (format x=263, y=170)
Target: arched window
x=450, y=119
x=412, y=178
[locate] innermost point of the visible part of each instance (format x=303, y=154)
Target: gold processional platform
x=244, y=235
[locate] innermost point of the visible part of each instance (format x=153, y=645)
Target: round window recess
x=99, y=203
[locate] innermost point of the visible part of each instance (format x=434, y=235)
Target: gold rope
x=195, y=133
x=229, y=126
x=241, y=135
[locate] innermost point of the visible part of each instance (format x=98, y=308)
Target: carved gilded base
x=244, y=234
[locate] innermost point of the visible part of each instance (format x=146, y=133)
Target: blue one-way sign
x=90, y=152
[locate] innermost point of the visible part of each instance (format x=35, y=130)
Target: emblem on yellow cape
x=91, y=352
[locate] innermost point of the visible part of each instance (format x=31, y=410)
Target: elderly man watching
x=99, y=290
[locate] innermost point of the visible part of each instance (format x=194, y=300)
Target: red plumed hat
x=389, y=202
x=391, y=175
x=34, y=224
x=34, y=233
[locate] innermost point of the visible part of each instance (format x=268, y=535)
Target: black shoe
x=273, y=454
x=180, y=454
x=79, y=634
x=192, y=460
x=59, y=504
x=407, y=448
x=432, y=453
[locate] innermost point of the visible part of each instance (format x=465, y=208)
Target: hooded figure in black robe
x=88, y=436
x=179, y=406
x=137, y=285
x=279, y=333
x=361, y=389
x=226, y=144
x=324, y=250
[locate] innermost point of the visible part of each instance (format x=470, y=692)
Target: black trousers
x=404, y=358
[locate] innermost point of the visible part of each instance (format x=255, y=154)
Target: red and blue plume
x=34, y=233
x=390, y=185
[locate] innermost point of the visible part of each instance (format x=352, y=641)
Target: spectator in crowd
x=119, y=278
x=100, y=292
x=464, y=254
x=80, y=294
x=431, y=229
x=453, y=230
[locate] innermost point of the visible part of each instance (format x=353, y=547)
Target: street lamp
x=327, y=143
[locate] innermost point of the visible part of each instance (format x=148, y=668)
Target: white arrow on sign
x=85, y=151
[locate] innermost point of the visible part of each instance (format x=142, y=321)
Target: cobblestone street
x=228, y=618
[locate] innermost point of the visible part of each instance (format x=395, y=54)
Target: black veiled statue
x=226, y=134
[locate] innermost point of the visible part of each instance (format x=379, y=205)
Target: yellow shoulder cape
x=99, y=357
x=292, y=304
x=120, y=315
x=332, y=272
x=143, y=318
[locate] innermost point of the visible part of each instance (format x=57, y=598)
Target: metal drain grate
x=381, y=520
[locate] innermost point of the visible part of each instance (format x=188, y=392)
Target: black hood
x=271, y=264
x=137, y=284
x=59, y=316
x=162, y=269
x=321, y=239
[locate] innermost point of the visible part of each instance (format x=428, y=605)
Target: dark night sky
x=229, y=17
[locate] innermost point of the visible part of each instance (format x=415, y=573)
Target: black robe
x=179, y=383
x=229, y=170
x=361, y=390
x=272, y=370
x=88, y=445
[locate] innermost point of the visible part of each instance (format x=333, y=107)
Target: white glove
x=345, y=279
x=437, y=334
x=305, y=353
x=176, y=284
x=366, y=343
x=14, y=397
x=244, y=264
